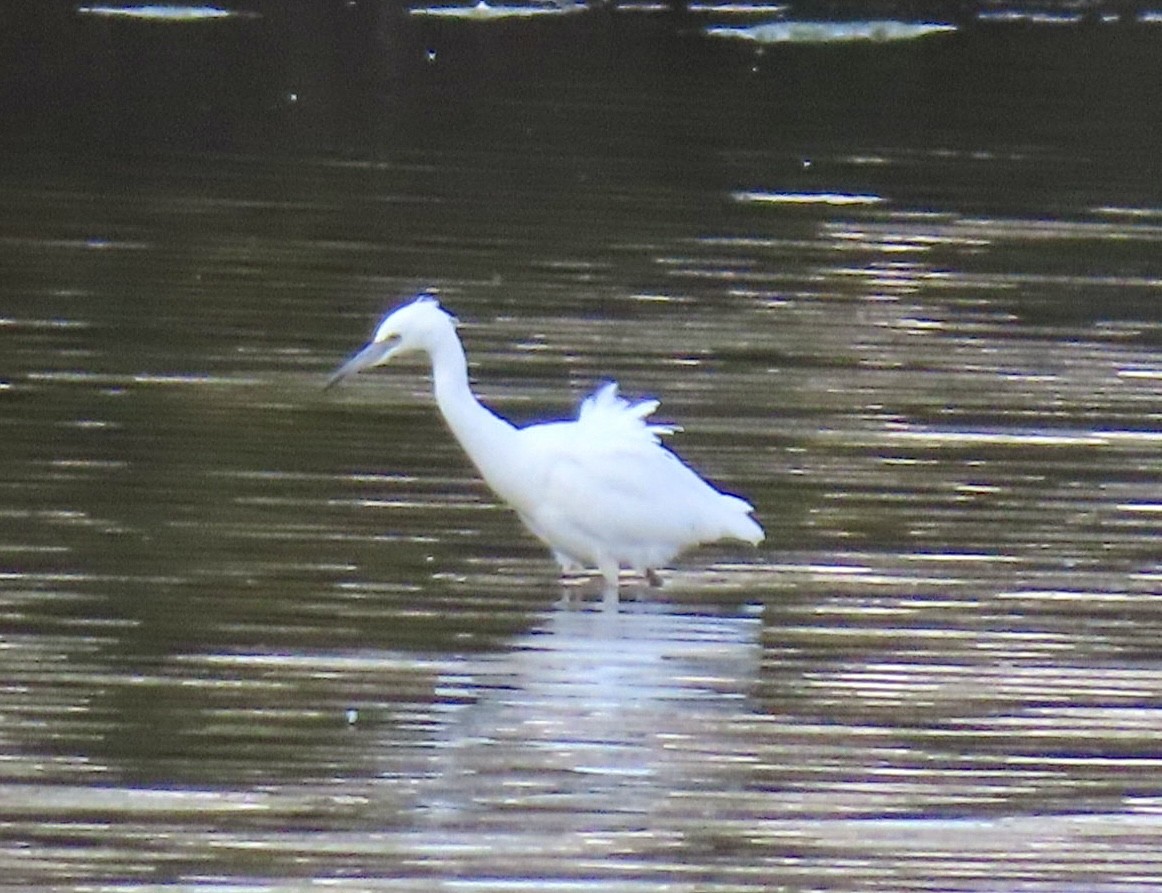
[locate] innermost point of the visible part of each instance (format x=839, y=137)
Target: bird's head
x=409, y=328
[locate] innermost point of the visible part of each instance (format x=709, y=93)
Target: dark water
x=257, y=636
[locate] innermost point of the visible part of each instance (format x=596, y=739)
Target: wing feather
x=604, y=412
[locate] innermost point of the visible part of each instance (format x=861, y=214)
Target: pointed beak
x=373, y=354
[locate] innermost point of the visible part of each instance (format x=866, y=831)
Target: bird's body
x=601, y=490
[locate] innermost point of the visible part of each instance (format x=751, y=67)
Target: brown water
x=257, y=635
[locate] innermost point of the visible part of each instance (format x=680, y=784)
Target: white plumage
x=601, y=491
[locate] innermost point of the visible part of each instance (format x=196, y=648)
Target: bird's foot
x=577, y=585
x=580, y=588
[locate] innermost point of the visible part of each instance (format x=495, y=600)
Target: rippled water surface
x=257, y=635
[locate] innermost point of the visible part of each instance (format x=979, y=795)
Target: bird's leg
x=566, y=602
x=609, y=573
x=653, y=578
x=568, y=566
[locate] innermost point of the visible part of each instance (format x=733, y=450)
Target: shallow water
x=257, y=635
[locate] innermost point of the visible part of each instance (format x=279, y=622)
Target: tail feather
x=739, y=524
x=748, y=530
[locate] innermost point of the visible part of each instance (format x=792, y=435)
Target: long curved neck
x=489, y=440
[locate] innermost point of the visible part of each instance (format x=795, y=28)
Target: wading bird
x=600, y=490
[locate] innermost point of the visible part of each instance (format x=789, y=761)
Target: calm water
x=256, y=635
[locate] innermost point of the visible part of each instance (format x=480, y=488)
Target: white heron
x=600, y=490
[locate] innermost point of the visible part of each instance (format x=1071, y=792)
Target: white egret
x=600, y=490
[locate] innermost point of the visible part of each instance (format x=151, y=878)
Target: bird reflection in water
x=592, y=720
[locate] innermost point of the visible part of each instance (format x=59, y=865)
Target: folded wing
x=611, y=489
